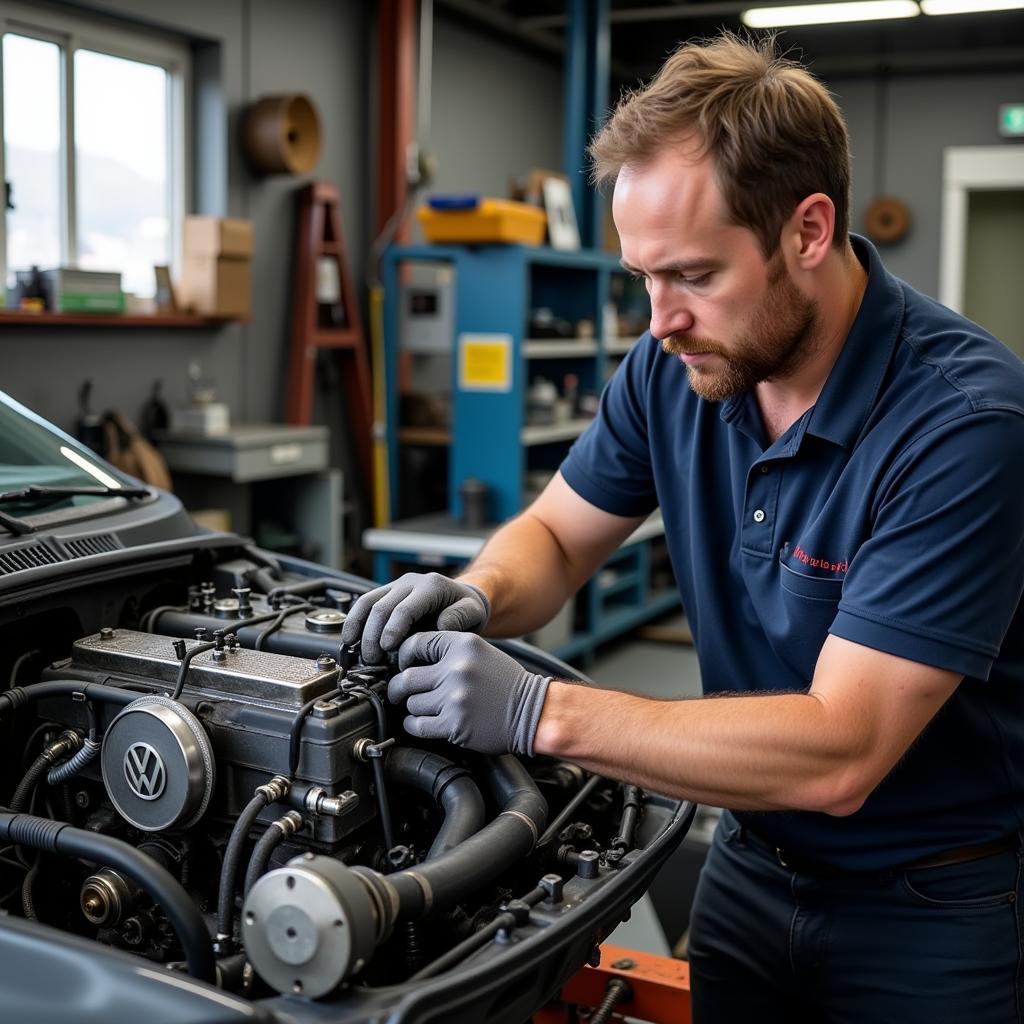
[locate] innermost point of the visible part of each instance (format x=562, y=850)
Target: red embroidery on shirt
x=819, y=563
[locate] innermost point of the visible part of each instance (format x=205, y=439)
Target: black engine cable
x=515, y=913
x=276, y=789
x=279, y=622
x=570, y=809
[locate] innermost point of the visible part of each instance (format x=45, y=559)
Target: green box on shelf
x=86, y=302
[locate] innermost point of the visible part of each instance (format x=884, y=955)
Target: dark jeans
x=937, y=945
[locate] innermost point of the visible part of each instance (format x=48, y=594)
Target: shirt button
x=764, y=468
x=759, y=515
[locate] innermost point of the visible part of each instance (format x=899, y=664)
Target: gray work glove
x=386, y=616
x=462, y=689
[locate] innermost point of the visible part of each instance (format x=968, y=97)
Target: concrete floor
x=653, y=668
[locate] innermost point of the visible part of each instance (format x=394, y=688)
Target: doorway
x=983, y=239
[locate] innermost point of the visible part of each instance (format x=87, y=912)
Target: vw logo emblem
x=144, y=771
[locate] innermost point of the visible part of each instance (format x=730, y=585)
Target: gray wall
x=925, y=115
x=496, y=111
x=265, y=46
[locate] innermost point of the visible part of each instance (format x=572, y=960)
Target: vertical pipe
x=587, y=60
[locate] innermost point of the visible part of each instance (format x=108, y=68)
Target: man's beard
x=780, y=338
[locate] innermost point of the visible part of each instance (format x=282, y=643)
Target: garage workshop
x=491, y=527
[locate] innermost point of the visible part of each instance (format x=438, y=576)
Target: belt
x=960, y=855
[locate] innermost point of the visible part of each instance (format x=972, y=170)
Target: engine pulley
x=158, y=764
x=311, y=924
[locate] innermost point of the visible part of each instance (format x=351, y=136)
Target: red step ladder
x=334, y=326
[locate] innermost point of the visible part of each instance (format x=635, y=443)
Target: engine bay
x=199, y=775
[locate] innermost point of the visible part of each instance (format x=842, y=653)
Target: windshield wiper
x=16, y=526
x=37, y=493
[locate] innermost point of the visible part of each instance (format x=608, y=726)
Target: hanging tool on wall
x=326, y=318
x=398, y=190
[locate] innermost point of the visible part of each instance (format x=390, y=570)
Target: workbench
x=621, y=595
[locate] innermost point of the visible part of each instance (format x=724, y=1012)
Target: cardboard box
x=217, y=236
x=215, y=286
x=216, y=266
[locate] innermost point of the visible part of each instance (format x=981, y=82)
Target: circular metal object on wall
x=887, y=220
x=157, y=764
x=281, y=134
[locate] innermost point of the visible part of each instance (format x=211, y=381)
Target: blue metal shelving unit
x=495, y=287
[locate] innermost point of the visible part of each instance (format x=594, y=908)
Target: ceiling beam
x=491, y=16
x=517, y=28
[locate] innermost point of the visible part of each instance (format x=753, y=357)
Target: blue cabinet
x=491, y=293
x=494, y=359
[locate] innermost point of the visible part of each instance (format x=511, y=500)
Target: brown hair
x=773, y=131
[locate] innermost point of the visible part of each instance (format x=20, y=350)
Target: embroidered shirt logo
x=819, y=563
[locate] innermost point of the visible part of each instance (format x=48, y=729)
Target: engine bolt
x=106, y=633
x=325, y=662
x=82, y=799
x=588, y=863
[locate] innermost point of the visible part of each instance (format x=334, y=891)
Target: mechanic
x=842, y=485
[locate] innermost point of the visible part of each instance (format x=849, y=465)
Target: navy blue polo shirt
x=891, y=514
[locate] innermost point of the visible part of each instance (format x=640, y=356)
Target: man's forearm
x=773, y=752
x=525, y=575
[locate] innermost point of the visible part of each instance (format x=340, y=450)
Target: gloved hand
x=462, y=689
x=386, y=616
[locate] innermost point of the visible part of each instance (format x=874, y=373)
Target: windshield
x=34, y=452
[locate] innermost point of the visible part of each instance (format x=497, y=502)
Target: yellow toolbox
x=480, y=220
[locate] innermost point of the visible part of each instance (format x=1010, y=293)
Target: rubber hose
x=62, y=772
x=276, y=832
x=295, y=730
x=58, y=837
x=59, y=748
x=379, y=782
x=21, y=695
x=450, y=786
x=35, y=772
x=279, y=622
x=232, y=858
x=28, y=903
x=16, y=667
x=481, y=858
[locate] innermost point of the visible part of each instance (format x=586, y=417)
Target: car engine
x=198, y=774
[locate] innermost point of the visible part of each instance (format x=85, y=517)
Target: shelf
x=618, y=346
x=626, y=582
x=11, y=316
x=558, y=348
x=435, y=436
x=614, y=623
x=565, y=431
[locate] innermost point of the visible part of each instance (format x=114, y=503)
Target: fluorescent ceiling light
x=829, y=14
x=969, y=6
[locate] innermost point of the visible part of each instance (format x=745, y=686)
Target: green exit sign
x=1011, y=119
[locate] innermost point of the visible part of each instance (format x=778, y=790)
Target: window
x=94, y=147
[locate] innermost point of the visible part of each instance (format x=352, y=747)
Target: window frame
x=72, y=33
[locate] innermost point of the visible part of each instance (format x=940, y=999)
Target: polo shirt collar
x=854, y=381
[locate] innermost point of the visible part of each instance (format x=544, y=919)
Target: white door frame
x=969, y=169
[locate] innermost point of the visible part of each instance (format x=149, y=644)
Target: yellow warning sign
x=485, y=362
